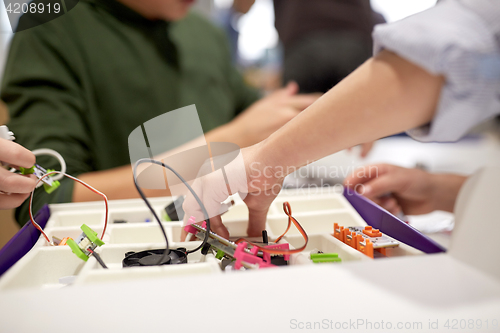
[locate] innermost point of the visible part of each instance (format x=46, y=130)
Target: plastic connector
x=76, y=250
x=241, y=256
x=51, y=188
x=337, y=232
x=87, y=240
x=364, y=239
x=49, y=185
x=349, y=237
x=325, y=257
x=220, y=254
x=6, y=134
x=174, y=211
x=267, y=257
x=365, y=246
x=189, y=228
x=370, y=232
x=205, y=249
x=25, y=171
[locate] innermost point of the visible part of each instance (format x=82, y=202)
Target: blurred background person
x=139, y=60
x=323, y=40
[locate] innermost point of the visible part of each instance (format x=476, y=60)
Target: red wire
x=77, y=180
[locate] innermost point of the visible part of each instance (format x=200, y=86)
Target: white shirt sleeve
x=459, y=39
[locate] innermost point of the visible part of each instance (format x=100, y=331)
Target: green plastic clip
x=92, y=235
x=325, y=257
x=166, y=217
x=76, y=250
x=220, y=254
x=25, y=171
x=49, y=189
x=55, y=184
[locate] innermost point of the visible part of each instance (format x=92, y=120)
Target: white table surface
x=417, y=289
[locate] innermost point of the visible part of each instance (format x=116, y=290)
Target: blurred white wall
x=5, y=35
x=257, y=31
x=394, y=10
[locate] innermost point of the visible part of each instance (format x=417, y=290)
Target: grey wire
x=53, y=153
x=204, y=210
x=99, y=260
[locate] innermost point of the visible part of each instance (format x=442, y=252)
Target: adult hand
x=267, y=115
x=15, y=188
x=395, y=188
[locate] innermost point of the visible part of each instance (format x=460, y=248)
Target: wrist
x=260, y=175
x=266, y=166
x=445, y=190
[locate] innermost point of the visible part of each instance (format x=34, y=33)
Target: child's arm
x=392, y=92
x=386, y=95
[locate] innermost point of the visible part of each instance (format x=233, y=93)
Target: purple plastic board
x=390, y=225
x=23, y=241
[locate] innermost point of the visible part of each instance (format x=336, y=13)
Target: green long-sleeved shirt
x=82, y=82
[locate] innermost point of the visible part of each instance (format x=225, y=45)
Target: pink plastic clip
x=240, y=255
x=267, y=256
x=189, y=228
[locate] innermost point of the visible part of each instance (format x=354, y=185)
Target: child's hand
x=15, y=188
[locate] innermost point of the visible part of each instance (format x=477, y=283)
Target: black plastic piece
x=265, y=240
x=174, y=208
x=279, y=261
x=205, y=248
x=151, y=258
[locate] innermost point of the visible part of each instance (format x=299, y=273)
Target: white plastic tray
x=56, y=267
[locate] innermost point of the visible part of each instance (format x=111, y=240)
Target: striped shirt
x=459, y=39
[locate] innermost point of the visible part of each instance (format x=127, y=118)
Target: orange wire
x=288, y=211
x=37, y=226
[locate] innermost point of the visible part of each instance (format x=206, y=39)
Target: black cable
x=143, y=196
x=265, y=238
x=99, y=259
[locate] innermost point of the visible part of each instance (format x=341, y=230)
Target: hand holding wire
x=14, y=188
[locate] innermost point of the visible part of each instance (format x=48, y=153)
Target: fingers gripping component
x=49, y=184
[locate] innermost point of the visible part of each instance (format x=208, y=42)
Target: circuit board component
x=85, y=244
